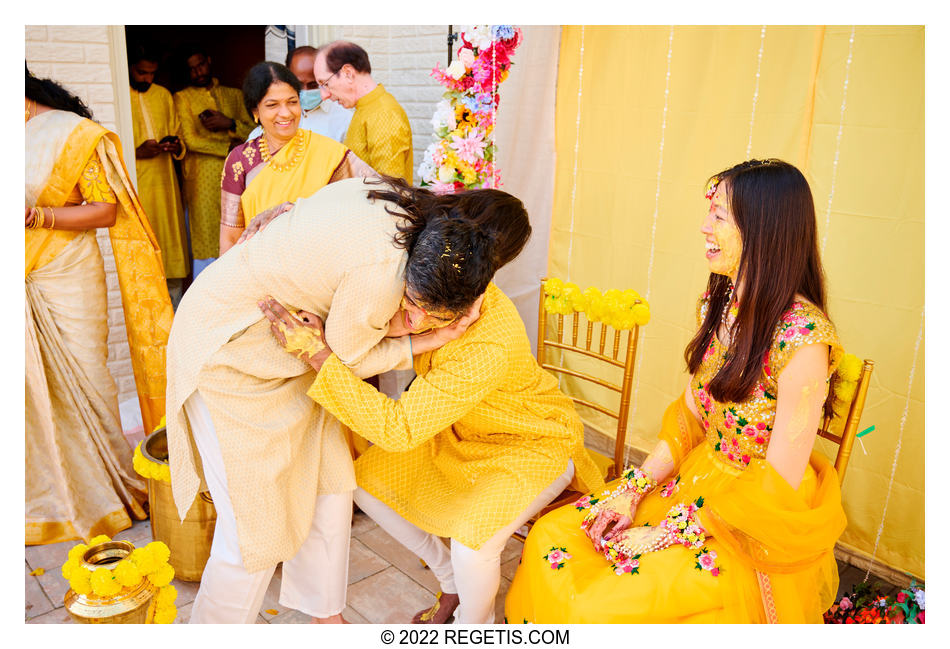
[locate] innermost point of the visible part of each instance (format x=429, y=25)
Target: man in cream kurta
x=332, y=255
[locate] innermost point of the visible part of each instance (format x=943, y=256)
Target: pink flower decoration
x=745, y=458
x=760, y=440
x=714, y=572
x=555, y=556
x=730, y=420
x=844, y=604
x=442, y=188
x=750, y=430
x=469, y=148
x=706, y=561
x=804, y=331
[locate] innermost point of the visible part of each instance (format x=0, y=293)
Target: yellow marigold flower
x=849, y=369
x=77, y=551
x=104, y=583
x=163, y=576
x=166, y=596
x=145, y=560
x=641, y=314
x=161, y=423
x=160, y=550
x=68, y=567
x=79, y=581
x=128, y=573
x=165, y=615
x=96, y=540
x=164, y=473
x=553, y=287
x=630, y=296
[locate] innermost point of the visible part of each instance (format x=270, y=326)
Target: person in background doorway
x=213, y=120
x=379, y=132
x=157, y=140
x=327, y=118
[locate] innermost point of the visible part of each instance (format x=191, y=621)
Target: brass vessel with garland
x=129, y=606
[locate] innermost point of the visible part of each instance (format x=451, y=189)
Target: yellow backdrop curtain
x=645, y=115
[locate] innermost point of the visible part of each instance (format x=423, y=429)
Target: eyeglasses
x=427, y=318
x=321, y=85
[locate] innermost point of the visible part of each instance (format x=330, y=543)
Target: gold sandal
x=427, y=616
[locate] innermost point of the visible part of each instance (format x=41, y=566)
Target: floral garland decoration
x=634, y=481
x=867, y=604
x=149, y=562
x=147, y=468
x=463, y=153
x=619, y=309
x=846, y=384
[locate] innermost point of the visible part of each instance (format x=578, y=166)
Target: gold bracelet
x=231, y=225
x=52, y=223
x=33, y=222
x=39, y=223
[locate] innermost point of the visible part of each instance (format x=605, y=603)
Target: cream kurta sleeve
x=434, y=402
x=356, y=326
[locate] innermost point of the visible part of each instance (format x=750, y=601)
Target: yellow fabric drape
x=145, y=301
x=630, y=212
x=320, y=159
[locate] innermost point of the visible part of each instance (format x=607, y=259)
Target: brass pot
x=189, y=541
x=129, y=606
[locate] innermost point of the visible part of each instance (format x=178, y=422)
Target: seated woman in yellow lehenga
x=480, y=442
x=732, y=517
x=79, y=476
x=285, y=162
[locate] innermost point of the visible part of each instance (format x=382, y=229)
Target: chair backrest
x=611, y=357
x=849, y=431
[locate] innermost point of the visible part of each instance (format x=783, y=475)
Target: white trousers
x=313, y=581
x=473, y=574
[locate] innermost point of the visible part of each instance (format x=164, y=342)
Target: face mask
x=310, y=99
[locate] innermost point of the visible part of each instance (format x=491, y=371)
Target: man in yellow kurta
x=213, y=119
x=481, y=442
x=157, y=139
x=379, y=131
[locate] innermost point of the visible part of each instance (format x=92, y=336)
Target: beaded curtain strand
x=834, y=166
x=494, y=99
x=577, y=143
x=755, y=95
x=656, y=211
x=897, y=451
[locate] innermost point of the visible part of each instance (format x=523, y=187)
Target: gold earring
x=256, y=121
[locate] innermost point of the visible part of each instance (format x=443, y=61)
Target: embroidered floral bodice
x=740, y=431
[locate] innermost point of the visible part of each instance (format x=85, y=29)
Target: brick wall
x=78, y=57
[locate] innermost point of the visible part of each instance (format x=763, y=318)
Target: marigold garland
x=150, y=562
x=147, y=468
x=619, y=309
x=463, y=153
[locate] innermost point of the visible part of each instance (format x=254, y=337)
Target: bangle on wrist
x=635, y=483
x=52, y=223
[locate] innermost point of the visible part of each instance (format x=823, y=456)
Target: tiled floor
x=387, y=583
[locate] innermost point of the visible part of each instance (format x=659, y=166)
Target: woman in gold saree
x=732, y=517
x=285, y=162
x=79, y=476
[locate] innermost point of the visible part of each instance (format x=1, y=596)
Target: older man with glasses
x=379, y=131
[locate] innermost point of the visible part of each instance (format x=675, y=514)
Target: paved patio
x=387, y=583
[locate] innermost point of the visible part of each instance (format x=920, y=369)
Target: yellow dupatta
x=320, y=158
x=145, y=301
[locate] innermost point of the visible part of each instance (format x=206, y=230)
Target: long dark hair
x=261, y=77
x=49, y=93
x=775, y=213
x=455, y=242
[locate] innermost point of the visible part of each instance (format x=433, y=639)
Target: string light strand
x=834, y=166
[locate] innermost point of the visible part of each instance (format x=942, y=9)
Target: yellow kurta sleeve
x=389, y=144
x=433, y=403
x=357, y=324
x=174, y=126
x=196, y=137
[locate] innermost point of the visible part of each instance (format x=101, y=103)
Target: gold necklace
x=290, y=164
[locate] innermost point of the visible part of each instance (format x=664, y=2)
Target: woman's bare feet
x=445, y=605
x=333, y=619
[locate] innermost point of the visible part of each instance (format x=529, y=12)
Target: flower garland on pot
x=149, y=562
x=619, y=309
x=463, y=153
x=147, y=468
